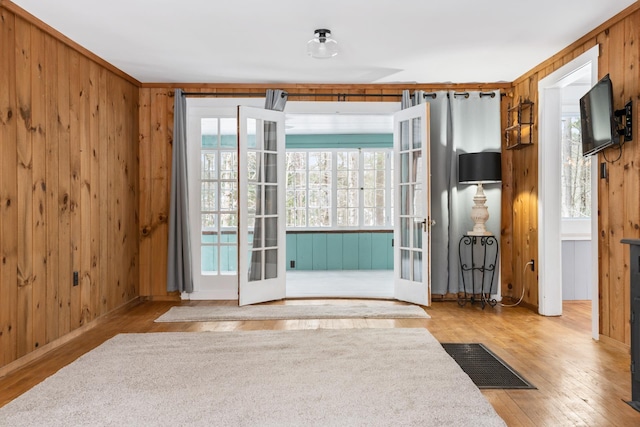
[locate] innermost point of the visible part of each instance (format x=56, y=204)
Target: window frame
x=573, y=228
x=333, y=226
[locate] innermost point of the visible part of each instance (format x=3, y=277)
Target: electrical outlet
x=533, y=265
x=76, y=278
x=292, y=264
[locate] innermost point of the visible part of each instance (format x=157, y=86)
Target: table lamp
x=479, y=168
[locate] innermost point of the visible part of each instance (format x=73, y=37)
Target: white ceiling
x=380, y=41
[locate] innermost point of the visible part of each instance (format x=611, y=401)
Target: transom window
x=333, y=188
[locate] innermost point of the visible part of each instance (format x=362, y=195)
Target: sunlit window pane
x=576, y=171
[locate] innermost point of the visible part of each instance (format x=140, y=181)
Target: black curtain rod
x=262, y=94
x=340, y=96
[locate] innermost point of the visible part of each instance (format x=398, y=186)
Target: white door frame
x=206, y=287
x=549, y=203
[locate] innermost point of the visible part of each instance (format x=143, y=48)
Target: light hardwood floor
x=579, y=381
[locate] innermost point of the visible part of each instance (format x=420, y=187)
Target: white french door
x=412, y=208
x=261, y=198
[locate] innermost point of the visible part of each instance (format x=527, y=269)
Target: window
x=218, y=196
x=348, y=189
x=576, y=171
x=339, y=188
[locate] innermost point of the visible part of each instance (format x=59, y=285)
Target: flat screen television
x=597, y=118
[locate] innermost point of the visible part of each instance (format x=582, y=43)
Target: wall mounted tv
x=597, y=118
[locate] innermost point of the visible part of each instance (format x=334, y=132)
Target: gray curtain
x=275, y=100
x=475, y=127
x=179, y=273
x=458, y=124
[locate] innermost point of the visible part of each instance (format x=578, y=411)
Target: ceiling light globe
x=322, y=46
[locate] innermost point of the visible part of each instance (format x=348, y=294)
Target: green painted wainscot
x=362, y=250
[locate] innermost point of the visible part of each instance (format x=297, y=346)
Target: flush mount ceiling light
x=321, y=46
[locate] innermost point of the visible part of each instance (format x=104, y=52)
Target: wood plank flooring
x=580, y=381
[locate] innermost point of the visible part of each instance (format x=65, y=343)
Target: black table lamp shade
x=479, y=167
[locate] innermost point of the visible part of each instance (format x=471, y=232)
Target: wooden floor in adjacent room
x=579, y=381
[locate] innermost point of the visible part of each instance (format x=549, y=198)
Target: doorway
x=215, y=207
x=551, y=89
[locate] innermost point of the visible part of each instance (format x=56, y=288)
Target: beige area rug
x=321, y=377
x=208, y=313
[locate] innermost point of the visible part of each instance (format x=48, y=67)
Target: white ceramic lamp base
x=479, y=214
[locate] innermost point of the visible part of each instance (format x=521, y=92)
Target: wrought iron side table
x=481, y=252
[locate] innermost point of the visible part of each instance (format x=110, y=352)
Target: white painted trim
x=595, y=275
x=216, y=294
x=222, y=287
x=575, y=229
x=549, y=245
x=318, y=107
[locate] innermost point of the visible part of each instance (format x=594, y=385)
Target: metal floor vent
x=485, y=369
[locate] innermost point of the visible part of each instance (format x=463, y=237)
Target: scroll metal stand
x=486, y=271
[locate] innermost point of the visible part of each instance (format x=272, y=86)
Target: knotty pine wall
x=618, y=196
x=77, y=195
x=156, y=131
x=68, y=186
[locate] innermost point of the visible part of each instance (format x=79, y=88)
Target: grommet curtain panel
x=179, y=274
x=458, y=124
x=475, y=127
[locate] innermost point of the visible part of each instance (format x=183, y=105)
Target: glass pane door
x=213, y=209
x=412, y=207
x=262, y=211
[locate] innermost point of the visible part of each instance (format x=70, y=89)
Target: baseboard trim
x=614, y=343
x=41, y=351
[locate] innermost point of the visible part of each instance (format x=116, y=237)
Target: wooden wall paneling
x=603, y=218
x=160, y=198
x=144, y=173
x=39, y=185
x=75, y=232
x=116, y=286
x=532, y=218
x=64, y=193
x=103, y=155
x=95, y=166
x=616, y=195
x=113, y=284
x=128, y=171
x=52, y=148
x=506, y=208
x=56, y=106
x=618, y=204
x=168, y=147
x=121, y=224
x=25, y=193
x=8, y=191
x=133, y=207
x=85, y=212
x=631, y=156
